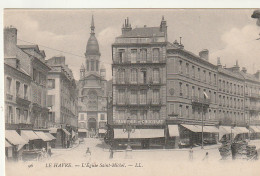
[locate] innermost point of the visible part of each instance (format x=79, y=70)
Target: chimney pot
x=204, y=54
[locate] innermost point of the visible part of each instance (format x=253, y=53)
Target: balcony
x=9, y=97
x=140, y=122
x=22, y=101
x=138, y=104
x=200, y=101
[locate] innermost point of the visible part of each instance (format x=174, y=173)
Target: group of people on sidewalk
x=205, y=158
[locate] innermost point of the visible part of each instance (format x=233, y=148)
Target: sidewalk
x=75, y=145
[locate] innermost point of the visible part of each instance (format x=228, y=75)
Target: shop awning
x=7, y=144
x=210, y=129
x=241, y=130
x=29, y=135
x=173, y=130
x=102, y=131
x=50, y=136
x=53, y=130
x=66, y=132
x=43, y=136
x=139, y=134
x=82, y=130
x=14, y=138
x=255, y=129
x=192, y=128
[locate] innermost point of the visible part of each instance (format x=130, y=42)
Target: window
x=121, y=76
x=210, y=77
x=187, y=90
x=102, y=117
x=134, y=75
x=156, y=95
x=18, y=115
x=35, y=75
x=193, y=71
x=121, y=115
x=10, y=116
x=199, y=93
x=96, y=65
x=219, y=82
x=25, y=89
x=156, y=115
x=143, y=115
x=180, y=111
x=121, y=96
x=25, y=116
x=156, y=75
x=205, y=76
x=180, y=89
x=193, y=91
x=198, y=73
x=133, y=55
x=187, y=69
x=231, y=87
x=92, y=65
x=121, y=56
x=180, y=66
x=81, y=116
x=51, y=83
x=133, y=97
x=215, y=79
x=143, y=55
x=215, y=97
x=87, y=65
x=143, y=95
x=143, y=76
x=224, y=86
x=17, y=88
x=133, y=115
x=8, y=84
x=102, y=124
x=187, y=111
x=156, y=54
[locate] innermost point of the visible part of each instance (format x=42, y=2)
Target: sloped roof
x=144, y=32
x=227, y=72
x=248, y=76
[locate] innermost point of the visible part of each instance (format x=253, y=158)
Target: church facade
x=92, y=89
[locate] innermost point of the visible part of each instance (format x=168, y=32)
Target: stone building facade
x=62, y=99
x=191, y=90
x=29, y=61
x=92, y=88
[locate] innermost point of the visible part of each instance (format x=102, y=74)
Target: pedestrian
x=191, y=154
x=111, y=153
x=88, y=151
x=206, y=157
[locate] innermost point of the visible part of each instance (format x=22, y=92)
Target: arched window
x=156, y=54
x=87, y=65
x=92, y=65
x=96, y=65
x=134, y=75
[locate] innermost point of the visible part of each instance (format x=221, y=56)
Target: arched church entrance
x=92, y=124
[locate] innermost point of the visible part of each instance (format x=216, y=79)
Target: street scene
x=84, y=94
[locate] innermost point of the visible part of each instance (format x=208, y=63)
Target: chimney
x=126, y=27
x=10, y=41
x=236, y=67
x=163, y=28
x=219, y=63
x=204, y=54
x=244, y=69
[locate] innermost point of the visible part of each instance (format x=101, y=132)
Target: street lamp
x=128, y=128
x=202, y=124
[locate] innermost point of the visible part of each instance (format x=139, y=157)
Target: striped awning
x=173, y=130
x=82, y=130
x=14, y=138
x=50, y=136
x=210, y=129
x=255, y=129
x=241, y=130
x=43, y=136
x=139, y=134
x=29, y=135
x=192, y=128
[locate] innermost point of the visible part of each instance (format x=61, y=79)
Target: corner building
x=139, y=82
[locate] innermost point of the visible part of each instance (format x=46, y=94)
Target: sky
x=227, y=33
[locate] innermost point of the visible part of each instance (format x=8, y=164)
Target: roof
x=92, y=46
x=144, y=32
x=29, y=47
x=7, y=144
x=230, y=73
x=50, y=136
x=248, y=76
x=14, y=138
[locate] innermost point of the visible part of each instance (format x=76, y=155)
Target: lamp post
x=128, y=128
x=202, y=125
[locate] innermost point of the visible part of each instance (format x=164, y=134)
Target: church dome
x=92, y=46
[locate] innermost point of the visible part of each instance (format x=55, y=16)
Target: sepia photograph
x=131, y=92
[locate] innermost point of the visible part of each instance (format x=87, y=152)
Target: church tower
x=92, y=52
